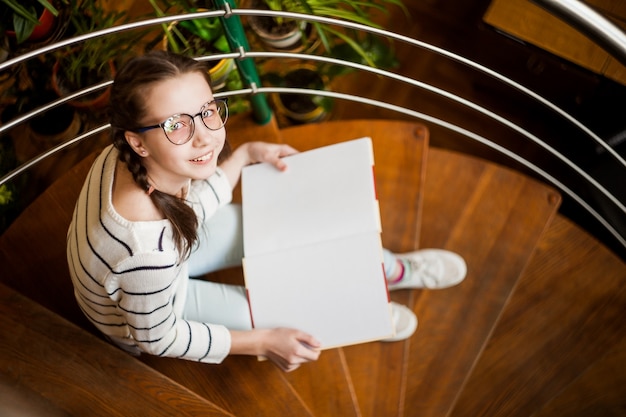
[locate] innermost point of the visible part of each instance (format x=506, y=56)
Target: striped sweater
x=126, y=276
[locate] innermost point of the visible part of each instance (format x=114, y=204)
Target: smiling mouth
x=203, y=157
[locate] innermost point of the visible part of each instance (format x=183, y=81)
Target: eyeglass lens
x=179, y=128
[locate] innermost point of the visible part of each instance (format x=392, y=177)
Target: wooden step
x=559, y=348
x=493, y=217
x=49, y=366
x=32, y=250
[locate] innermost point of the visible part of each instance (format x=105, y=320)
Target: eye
x=173, y=123
x=208, y=112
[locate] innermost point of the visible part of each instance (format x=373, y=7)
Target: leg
x=211, y=302
x=220, y=246
x=220, y=242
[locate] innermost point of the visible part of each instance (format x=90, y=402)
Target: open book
x=312, y=246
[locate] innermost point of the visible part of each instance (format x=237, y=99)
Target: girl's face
x=171, y=166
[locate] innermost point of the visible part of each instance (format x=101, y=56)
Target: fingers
x=271, y=153
x=309, y=340
x=299, y=348
x=311, y=347
x=291, y=368
x=279, y=152
x=279, y=164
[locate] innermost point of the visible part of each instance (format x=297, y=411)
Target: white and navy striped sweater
x=126, y=277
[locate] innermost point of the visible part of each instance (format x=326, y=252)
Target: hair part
x=127, y=106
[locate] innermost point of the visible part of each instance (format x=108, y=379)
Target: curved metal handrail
x=412, y=113
x=320, y=19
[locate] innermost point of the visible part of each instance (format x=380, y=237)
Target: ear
x=136, y=142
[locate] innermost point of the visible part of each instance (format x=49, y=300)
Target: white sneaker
x=430, y=268
x=404, y=322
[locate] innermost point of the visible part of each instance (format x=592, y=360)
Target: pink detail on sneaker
x=399, y=277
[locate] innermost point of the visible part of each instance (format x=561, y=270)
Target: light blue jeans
x=220, y=246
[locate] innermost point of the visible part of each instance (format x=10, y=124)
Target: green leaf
x=23, y=12
x=49, y=6
x=221, y=44
x=23, y=28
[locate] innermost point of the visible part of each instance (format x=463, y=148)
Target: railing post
x=237, y=40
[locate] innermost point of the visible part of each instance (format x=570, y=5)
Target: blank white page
x=325, y=193
x=334, y=290
x=312, y=249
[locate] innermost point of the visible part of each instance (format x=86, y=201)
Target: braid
x=181, y=216
x=133, y=162
x=126, y=106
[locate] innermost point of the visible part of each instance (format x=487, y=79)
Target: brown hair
x=127, y=106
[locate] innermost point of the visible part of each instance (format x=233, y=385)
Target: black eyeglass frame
x=193, y=121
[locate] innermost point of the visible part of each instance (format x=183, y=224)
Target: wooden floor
x=535, y=329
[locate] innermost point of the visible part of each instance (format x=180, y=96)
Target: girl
x=155, y=210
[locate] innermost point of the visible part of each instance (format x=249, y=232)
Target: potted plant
x=95, y=60
x=29, y=20
x=300, y=108
x=33, y=90
x=278, y=33
x=330, y=36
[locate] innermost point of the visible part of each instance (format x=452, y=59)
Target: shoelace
x=424, y=270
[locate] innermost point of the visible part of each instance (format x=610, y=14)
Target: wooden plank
x=48, y=363
x=562, y=335
x=379, y=371
x=493, y=217
x=326, y=385
x=399, y=153
x=241, y=385
x=600, y=390
x=32, y=250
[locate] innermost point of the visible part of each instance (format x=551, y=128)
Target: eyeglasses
x=179, y=128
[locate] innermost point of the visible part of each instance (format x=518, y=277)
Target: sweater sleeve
x=144, y=289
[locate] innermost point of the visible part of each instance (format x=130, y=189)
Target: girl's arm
x=253, y=152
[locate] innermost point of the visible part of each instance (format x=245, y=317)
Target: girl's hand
x=254, y=152
x=287, y=348
x=269, y=152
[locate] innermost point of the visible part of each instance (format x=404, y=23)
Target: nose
x=202, y=134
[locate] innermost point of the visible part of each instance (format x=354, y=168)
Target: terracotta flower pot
x=97, y=102
x=44, y=29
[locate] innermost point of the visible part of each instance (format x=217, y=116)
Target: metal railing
x=590, y=23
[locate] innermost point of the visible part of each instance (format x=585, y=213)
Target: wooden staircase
x=535, y=329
